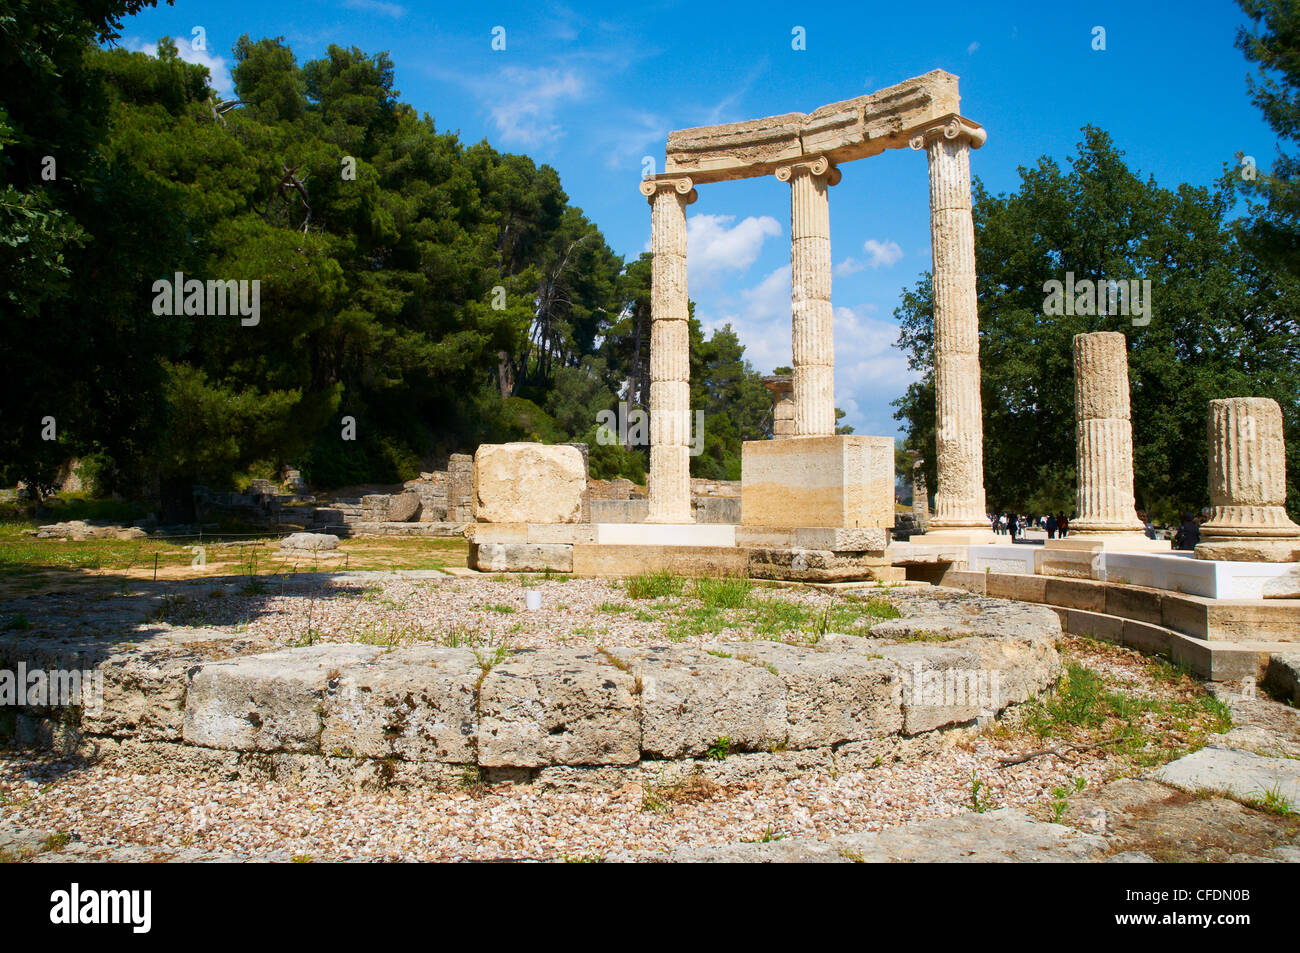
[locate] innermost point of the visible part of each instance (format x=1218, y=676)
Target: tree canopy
x=435, y=294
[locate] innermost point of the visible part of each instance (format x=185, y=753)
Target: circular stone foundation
x=225, y=700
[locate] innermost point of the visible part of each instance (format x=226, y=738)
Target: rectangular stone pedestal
x=1076, y=556
x=839, y=481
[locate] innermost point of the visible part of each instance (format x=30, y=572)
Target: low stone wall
x=205, y=700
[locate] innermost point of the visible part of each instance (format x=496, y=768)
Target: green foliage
x=438, y=294
x=655, y=585
x=736, y=405
x=729, y=592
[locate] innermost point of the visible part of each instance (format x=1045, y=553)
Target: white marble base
x=1182, y=572
x=1018, y=559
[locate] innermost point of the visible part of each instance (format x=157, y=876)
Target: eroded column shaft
x=1103, y=436
x=810, y=298
x=959, y=496
x=669, y=489
x=1247, y=470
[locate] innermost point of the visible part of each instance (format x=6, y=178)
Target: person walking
x=1013, y=526
x=1189, y=534
x=1051, y=526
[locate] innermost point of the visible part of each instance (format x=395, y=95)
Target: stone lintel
x=844, y=131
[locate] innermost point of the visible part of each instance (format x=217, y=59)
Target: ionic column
x=959, y=497
x=1103, y=437
x=1248, y=519
x=810, y=295
x=669, y=482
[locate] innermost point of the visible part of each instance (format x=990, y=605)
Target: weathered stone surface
x=810, y=293
x=144, y=695
x=690, y=699
x=852, y=129
x=834, y=692
x=1248, y=520
x=619, y=511
x=417, y=705
x=520, y=557
x=833, y=481
x=561, y=706
x=528, y=483
x=1002, y=836
x=270, y=702
x=940, y=685
x=621, y=560
x=858, y=539
x=959, y=500
x=1104, y=437
x=1240, y=773
x=717, y=509
x=403, y=507
x=816, y=565
x=309, y=542
x=80, y=529
x=352, y=714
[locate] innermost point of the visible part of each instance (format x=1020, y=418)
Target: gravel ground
x=104, y=805
x=482, y=611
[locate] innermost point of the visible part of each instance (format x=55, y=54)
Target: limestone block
x=832, y=696
x=269, y=702
x=554, y=534
x=619, y=511
x=820, y=565
x=417, y=704
x=836, y=481
x=309, y=542
x=717, y=509
x=859, y=539
x=689, y=699
x=144, y=696
x=402, y=507
x=528, y=483
x=562, y=706
x=632, y=560
x=521, y=557
x=852, y=129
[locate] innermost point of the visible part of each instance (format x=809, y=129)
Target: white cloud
x=882, y=253
x=716, y=246
x=394, y=10
x=523, y=102
x=218, y=72
x=878, y=254
x=972, y=48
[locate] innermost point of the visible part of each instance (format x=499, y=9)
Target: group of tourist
x=1057, y=525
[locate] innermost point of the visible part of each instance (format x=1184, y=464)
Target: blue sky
x=592, y=89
